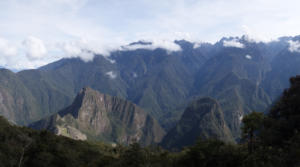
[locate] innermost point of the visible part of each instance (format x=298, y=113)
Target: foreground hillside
x=270, y=140
x=26, y=147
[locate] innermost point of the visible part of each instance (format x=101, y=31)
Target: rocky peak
x=202, y=118
x=98, y=116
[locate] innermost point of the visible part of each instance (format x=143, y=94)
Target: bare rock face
x=96, y=116
x=203, y=118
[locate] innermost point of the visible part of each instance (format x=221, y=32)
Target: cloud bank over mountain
x=35, y=48
x=37, y=32
x=294, y=46
x=233, y=43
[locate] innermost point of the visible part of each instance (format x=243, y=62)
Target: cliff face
x=202, y=118
x=96, y=116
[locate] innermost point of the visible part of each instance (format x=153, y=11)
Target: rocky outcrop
x=203, y=118
x=97, y=116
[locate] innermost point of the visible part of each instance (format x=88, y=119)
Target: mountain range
x=240, y=74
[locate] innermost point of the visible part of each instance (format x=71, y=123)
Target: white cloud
x=155, y=43
x=248, y=57
x=12, y=55
x=252, y=36
x=86, y=56
x=233, y=43
x=8, y=52
x=35, y=48
x=86, y=49
x=7, y=49
x=76, y=49
x=106, y=25
x=166, y=44
x=138, y=46
x=294, y=46
x=111, y=74
x=72, y=48
x=197, y=45
x=207, y=20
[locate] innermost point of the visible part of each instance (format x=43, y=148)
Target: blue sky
x=36, y=32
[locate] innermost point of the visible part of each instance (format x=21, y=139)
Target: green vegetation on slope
x=270, y=140
x=26, y=147
x=160, y=82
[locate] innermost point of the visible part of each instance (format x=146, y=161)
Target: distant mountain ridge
x=242, y=78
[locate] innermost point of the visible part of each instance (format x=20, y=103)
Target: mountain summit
x=97, y=116
x=203, y=118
